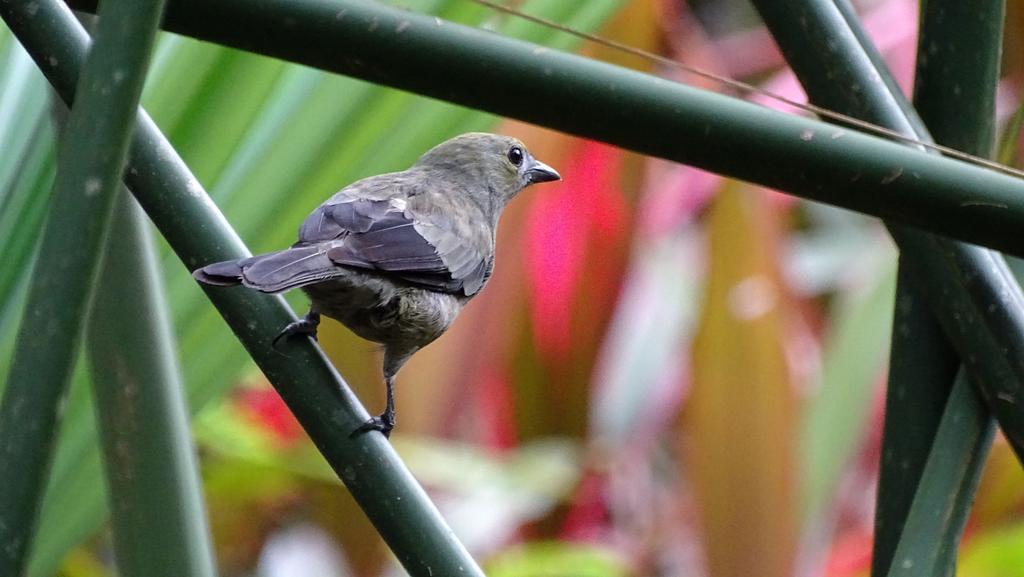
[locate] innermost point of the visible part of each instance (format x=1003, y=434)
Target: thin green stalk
x=640, y=112
x=311, y=387
x=870, y=52
x=922, y=367
x=88, y=172
x=949, y=480
x=959, y=55
x=961, y=282
x=159, y=519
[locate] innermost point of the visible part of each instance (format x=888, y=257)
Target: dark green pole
x=650, y=115
x=156, y=501
x=89, y=168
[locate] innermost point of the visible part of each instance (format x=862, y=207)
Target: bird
x=395, y=257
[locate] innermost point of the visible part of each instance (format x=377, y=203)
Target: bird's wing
x=386, y=237
x=337, y=218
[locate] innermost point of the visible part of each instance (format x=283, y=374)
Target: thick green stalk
x=308, y=383
x=88, y=173
x=159, y=520
x=640, y=112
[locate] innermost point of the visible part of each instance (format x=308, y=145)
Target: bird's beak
x=540, y=172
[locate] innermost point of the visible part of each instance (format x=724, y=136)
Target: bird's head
x=488, y=164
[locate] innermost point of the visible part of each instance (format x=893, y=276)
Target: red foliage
x=495, y=404
x=267, y=410
x=850, y=555
x=587, y=518
x=564, y=230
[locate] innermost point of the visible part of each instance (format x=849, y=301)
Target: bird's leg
x=394, y=358
x=386, y=420
x=305, y=326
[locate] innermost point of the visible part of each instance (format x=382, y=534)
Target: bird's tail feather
x=272, y=272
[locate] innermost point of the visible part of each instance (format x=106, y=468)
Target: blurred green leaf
x=558, y=559
x=852, y=366
x=222, y=430
x=26, y=173
x=997, y=553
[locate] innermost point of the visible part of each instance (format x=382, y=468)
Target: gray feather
x=287, y=269
x=331, y=220
x=273, y=272
x=227, y=273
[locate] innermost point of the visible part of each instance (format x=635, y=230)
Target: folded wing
x=384, y=237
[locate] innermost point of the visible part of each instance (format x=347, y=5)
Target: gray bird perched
x=395, y=257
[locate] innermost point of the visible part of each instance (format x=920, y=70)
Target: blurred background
x=669, y=374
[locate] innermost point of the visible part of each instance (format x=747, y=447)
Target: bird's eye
x=515, y=155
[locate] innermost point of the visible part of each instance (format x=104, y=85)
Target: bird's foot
x=383, y=423
x=305, y=326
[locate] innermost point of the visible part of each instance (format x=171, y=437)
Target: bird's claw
x=383, y=423
x=307, y=325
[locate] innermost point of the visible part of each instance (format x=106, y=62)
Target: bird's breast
x=382, y=311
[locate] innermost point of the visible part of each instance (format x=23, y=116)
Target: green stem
x=159, y=519
x=922, y=367
x=870, y=52
x=311, y=387
x=932, y=528
x=89, y=168
x=637, y=111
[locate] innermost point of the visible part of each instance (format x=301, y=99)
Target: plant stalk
x=156, y=500
x=89, y=167
x=637, y=111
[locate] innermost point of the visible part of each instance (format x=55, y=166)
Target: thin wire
x=751, y=89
